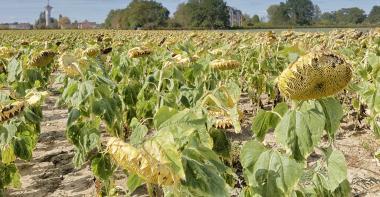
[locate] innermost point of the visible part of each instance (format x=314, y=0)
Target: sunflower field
x=194, y=113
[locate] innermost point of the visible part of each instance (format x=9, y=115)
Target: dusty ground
x=51, y=173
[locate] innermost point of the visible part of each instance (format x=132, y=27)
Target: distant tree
x=203, y=13
x=300, y=12
x=374, y=15
x=172, y=23
x=144, y=13
x=247, y=20
x=75, y=24
x=317, y=14
x=278, y=14
x=41, y=22
x=139, y=13
x=250, y=21
x=183, y=15
x=293, y=12
x=327, y=18
x=256, y=19
x=350, y=16
x=345, y=16
x=64, y=22
x=113, y=19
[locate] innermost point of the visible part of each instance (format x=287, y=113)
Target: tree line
x=305, y=13
x=150, y=14
x=214, y=14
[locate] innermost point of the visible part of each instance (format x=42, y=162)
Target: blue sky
x=97, y=10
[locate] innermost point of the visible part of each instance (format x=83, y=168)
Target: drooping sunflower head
x=12, y=110
x=222, y=64
x=6, y=52
x=3, y=64
x=71, y=65
x=42, y=59
x=316, y=75
x=139, y=52
x=91, y=52
x=223, y=119
x=24, y=42
x=16, y=108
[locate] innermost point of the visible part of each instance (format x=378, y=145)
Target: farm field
x=304, y=30
x=190, y=113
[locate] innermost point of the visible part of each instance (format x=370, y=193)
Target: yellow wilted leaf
x=7, y=154
x=149, y=162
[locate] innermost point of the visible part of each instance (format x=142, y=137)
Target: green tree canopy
x=301, y=12
x=256, y=19
x=139, y=13
x=374, y=15
x=249, y=21
x=292, y=12
x=203, y=13
x=345, y=16
x=113, y=19
x=327, y=18
x=64, y=22
x=278, y=14
x=41, y=22
x=350, y=16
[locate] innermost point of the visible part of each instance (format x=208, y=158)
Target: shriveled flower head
x=222, y=118
x=107, y=39
x=91, y=52
x=3, y=63
x=12, y=110
x=184, y=60
x=139, y=52
x=72, y=65
x=316, y=75
x=16, y=108
x=42, y=59
x=6, y=52
x=222, y=64
x=24, y=43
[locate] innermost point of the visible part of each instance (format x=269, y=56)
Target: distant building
x=20, y=26
x=87, y=25
x=236, y=17
x=48, y=9
x=16, y=26
x=4, y=26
